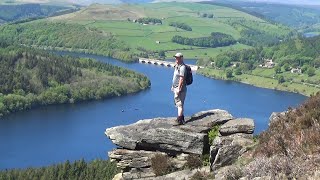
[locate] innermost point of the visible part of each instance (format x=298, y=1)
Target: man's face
x=178, y=59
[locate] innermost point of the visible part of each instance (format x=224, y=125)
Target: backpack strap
x=179, y=66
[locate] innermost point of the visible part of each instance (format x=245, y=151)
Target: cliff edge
x=159, y=149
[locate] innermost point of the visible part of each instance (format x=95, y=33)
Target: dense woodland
x=97, y=169
x=215, y=40
x=24, y=11
x=31, y=78
x=66, y=36
x=297, y=52
x=181, y=26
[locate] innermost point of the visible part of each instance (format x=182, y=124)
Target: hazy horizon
x=293, y=2
x=88, y=2
x=300, y=2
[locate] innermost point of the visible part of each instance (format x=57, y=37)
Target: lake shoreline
x=276, y=86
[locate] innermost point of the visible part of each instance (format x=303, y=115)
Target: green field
x=118, y=20
x=265, y=78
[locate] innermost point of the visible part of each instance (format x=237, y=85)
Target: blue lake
x=57, y=133
x=311, y=34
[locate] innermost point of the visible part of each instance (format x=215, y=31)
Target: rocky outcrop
x=243, y=125
x=162, y=134
x=225, y=150
x=163, y=142
x=275, y=116
x=235, y=136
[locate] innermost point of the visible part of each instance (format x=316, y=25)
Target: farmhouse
x=296, y=70
x=268, y=63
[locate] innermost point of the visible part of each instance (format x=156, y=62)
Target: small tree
x=237, y=71
x=311, y=71
x=305, y=68
x=280, y=79
x=229, y=73
x=162, y=53
x=277, y=69
x=286, y=67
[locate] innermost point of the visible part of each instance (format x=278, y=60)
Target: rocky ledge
x=159, y=147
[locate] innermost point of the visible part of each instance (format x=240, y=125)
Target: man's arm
x=181, y=81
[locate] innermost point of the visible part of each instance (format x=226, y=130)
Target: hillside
x=55, y=2
x=295, y=66
x=33, y=78
x=149, y=40
x=63, y=36
x=10, y=13
x=305, y=18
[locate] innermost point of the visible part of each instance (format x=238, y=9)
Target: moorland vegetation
x=289, y=148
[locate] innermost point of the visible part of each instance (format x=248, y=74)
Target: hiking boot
x=182, y=120
x=179, y=120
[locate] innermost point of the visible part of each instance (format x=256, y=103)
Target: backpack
x=188, y=75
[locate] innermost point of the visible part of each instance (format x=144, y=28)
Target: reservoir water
x=54, y=134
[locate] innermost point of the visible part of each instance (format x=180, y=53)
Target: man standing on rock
x=179, y=86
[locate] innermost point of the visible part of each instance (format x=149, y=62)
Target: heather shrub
x=161, y=164
x=290, y=146
x=233, y=173
x=199, y=176
x=295, y=134
x=194, y=161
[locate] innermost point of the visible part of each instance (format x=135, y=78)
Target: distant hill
x=302, y=17
x=289, y=2
x=114, y=30
x=68, y=2
x=9, y=13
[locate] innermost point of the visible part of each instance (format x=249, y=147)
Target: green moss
x=213, y=133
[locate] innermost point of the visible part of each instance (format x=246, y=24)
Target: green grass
x=145, y=36
x=290, y=77
x=265, y=82
x=208, y=52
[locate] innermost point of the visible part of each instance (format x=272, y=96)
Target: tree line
x=97, y=169
x=181, y=26
x=301, y=53
x=149, y=20
x=66, y=36
x=31, y=78
x=24, y=11
x=215, y=40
